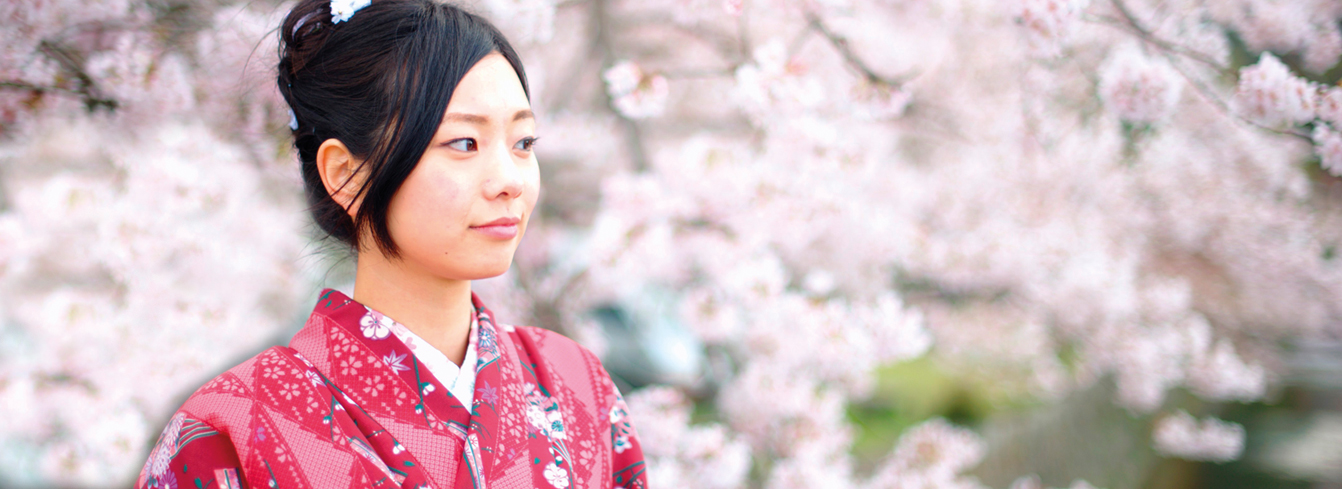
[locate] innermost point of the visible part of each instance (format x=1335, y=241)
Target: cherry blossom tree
x=1046, y=195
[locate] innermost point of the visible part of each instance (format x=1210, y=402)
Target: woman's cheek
x=439, y=195
x=447, y=195
x=533, y=190
x=428, y=206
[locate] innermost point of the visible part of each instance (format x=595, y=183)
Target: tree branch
x=1131, y=24
x=1211, y=96
x=87, y=88
x=841, y=45
x=21, y=85
x=1172, y=52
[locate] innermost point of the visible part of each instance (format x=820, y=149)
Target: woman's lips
x=501, y=228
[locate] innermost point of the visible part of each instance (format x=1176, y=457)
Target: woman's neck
x=437, y=310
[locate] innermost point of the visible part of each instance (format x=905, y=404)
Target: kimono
x=348, y=405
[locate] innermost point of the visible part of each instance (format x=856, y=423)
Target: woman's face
x=462, y=211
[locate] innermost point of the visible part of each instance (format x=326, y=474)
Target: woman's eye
x=463, y=144
x=526, y=143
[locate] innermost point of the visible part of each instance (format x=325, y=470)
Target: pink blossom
x=663, y=415
x=1329, y=106
x=714, y=318
x=1264, y=26
x=706, y=456
x=716, y=460
x=733, y=7
x=774, y=81
x=1328, y=145
x=936, y=453
x=1220, y=373
x=1137, y=88
x=1181, y=435
x=1270, y=94
x=1324, y=48
x=636, y=94
x=1048, y=23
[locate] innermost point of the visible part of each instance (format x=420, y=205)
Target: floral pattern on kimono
x=340, y=408
x=188, y=438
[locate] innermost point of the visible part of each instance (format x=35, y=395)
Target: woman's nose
x=505, y=179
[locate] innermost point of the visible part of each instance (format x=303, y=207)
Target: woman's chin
x=493, y=272
x=488, y=268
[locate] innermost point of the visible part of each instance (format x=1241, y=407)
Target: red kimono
x=338, y=408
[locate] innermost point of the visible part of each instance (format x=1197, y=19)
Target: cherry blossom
x=1048, y=23
x=1329, y=106
x=1137, y=88
x=1182, y=435
x=933, y=454
x=1270, y=94
x=1328, y=144
x=635, y=94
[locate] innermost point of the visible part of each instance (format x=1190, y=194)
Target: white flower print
x=558, y=477
x=314, y=378
x=375, y=325
x=622, y=443
x=158, y=462
x=167, y=446
x=536, y=417
x=555, y=423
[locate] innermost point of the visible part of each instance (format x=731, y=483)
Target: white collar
x=460, y=382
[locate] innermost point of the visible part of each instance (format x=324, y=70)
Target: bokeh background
x=818, y=243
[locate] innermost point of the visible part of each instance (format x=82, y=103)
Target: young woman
x=414, y=129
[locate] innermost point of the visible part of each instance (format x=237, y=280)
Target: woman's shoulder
x=228, y=400
x=567, y=363
x=272, y=402
x=551, y=344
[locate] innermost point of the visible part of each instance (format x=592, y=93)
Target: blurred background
x=818, y=243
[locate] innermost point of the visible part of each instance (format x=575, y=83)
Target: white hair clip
x=342, y=10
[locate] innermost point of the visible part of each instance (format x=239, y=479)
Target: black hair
x=378, y=82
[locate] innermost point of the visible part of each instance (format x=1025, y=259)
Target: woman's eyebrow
x=482, y=120
x=479, y=120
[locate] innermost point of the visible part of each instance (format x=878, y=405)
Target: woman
x=414, y=129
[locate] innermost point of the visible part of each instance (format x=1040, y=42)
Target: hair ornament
x=342, y=10
x=293, y=120
x=302, y=20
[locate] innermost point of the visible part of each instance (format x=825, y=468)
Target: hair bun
x=303, y=33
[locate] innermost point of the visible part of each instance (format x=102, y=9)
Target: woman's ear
x=342, y=173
